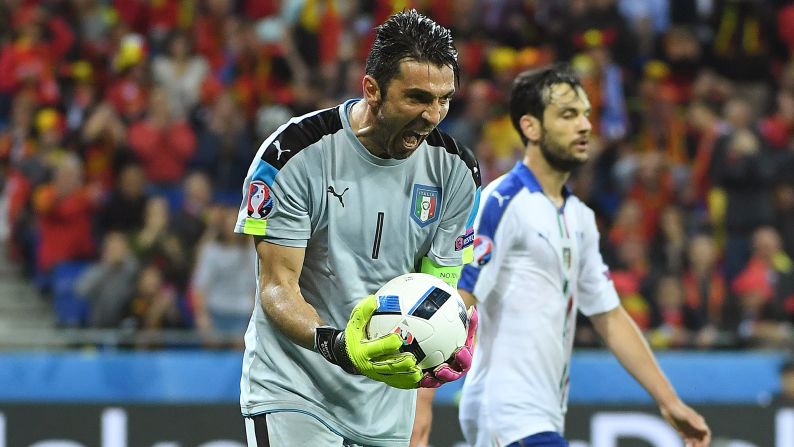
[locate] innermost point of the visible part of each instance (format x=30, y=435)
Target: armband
x=256, y=227
x=449, y=275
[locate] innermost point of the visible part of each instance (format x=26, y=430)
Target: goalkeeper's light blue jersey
x=534, y=266
x=363, y=220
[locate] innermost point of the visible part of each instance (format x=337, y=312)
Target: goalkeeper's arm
x=283, y=304
x=279, y=294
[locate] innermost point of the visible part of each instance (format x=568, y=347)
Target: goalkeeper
x=340, y=201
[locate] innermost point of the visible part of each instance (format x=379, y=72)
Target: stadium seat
x=231, y=198
x=70, y=309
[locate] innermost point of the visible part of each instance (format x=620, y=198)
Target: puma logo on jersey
x=338, y=196
x=277, y=145
x=500, y=198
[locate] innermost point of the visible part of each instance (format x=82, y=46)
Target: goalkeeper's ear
x=449, y=275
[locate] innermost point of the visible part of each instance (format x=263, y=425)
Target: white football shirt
x=535, y=265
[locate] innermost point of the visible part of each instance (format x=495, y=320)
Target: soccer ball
x=427, y=313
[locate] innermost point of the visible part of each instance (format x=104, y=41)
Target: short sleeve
x=493, y=236
x=275, y=203
x=596, y=291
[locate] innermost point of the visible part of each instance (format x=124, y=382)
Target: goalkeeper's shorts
x=291, y=428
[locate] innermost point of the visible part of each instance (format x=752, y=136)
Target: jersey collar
x=529, y=180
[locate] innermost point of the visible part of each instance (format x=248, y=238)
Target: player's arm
x=625, y=340
x=283, y=304
x=279, y=294
x=600, y=302
x=468, y=298
x=423, y=420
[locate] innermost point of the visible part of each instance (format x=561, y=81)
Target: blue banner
x=214, y=377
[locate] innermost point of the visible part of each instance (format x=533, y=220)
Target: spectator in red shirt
x=64, y=209
x=127, y=93
x=776, y=265
x=759, y=322
x=632, y=280
x=209, y=30
x=163, y=145
x=627, y=225
x=778, y=128
x=31, y=59
x=652, y=190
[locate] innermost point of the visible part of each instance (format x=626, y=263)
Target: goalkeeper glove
x=458, y=364
x=379, y=359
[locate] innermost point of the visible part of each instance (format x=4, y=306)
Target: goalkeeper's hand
x=458, y=364
x=379, y=359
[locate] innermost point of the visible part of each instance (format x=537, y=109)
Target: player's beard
x=389, y=138
x=557, y=156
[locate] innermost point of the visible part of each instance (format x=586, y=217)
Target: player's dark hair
x=410, y=35
x=531, y=92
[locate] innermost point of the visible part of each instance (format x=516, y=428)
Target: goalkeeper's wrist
x=331, y=344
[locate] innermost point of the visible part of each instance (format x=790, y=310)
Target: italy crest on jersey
x=425, y=204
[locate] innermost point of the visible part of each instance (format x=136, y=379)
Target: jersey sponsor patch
x=483, y=246
x=260, y=200
x=465, y=240
x=425, y=204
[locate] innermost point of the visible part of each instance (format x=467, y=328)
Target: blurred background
x=127, y=127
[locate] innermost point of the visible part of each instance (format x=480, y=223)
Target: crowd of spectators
x=127, y=127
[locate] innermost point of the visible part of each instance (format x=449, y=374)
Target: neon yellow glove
x=379, y=359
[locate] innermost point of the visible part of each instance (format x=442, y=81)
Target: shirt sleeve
x=276, y=203
x=596, y=291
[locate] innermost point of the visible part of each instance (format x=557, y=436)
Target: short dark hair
x=409, y=34
x=531, y=92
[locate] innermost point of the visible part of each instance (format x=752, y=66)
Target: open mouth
x=412, y=140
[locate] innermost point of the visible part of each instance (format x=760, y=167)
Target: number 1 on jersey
x=378, y=233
